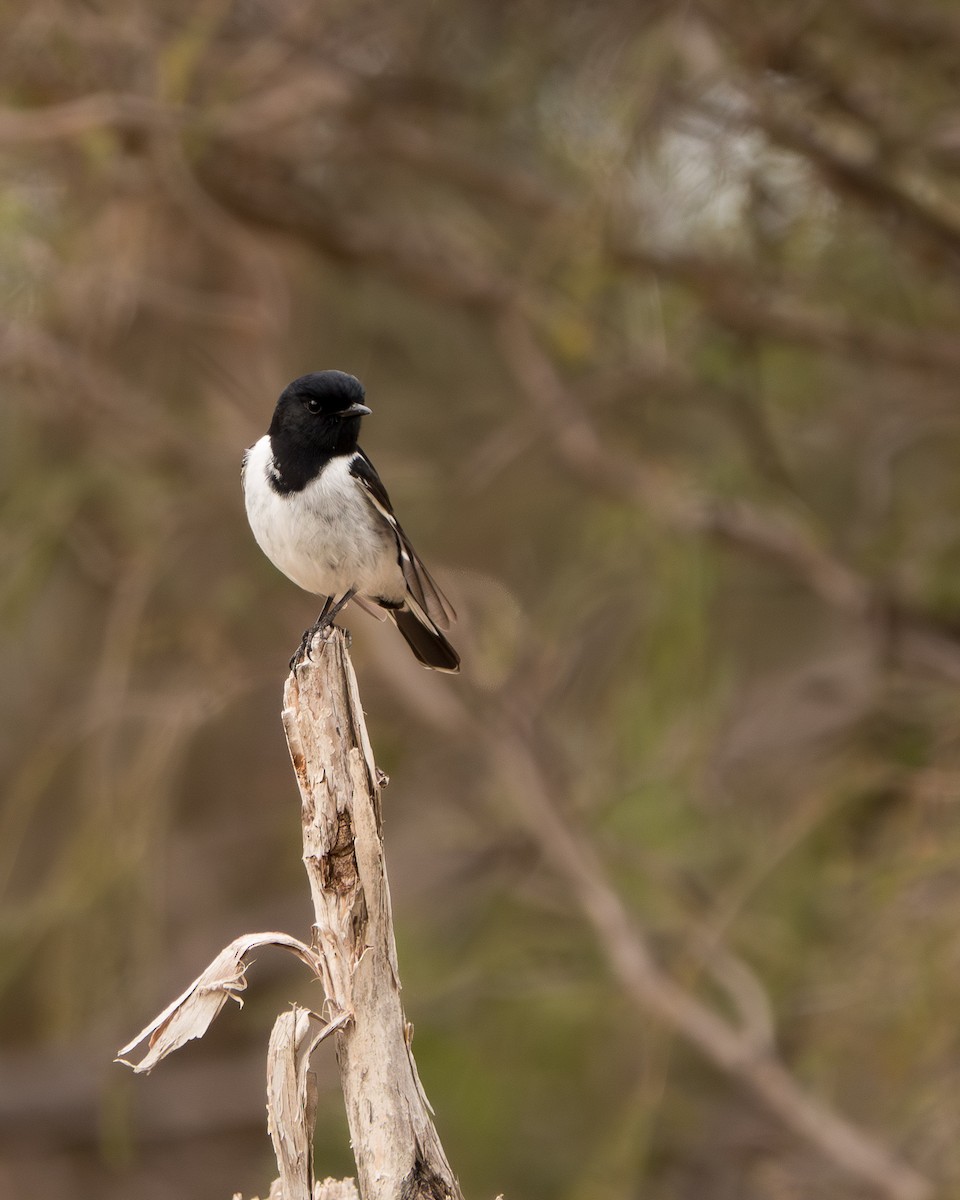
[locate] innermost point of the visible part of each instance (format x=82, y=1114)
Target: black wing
x=420, y=584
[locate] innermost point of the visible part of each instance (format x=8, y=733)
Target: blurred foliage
x=656, y=307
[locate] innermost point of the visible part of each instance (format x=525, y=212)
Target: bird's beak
x=357, y=410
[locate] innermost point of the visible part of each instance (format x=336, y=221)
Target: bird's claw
x=303, y=650
x=303, y=653
x=306, y=643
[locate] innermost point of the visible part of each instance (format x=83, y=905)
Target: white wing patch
x=421, y=587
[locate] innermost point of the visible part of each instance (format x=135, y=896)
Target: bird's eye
x=313, y=405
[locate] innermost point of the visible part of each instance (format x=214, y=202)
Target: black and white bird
x=321, y=515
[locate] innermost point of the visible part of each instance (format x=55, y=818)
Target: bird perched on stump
x=320, y=513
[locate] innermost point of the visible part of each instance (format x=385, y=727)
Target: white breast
x=327, y=538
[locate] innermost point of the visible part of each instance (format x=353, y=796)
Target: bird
x=320, y=513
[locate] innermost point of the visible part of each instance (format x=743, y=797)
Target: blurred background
x=656, y=307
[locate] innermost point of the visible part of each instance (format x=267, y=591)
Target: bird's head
x=318, y=415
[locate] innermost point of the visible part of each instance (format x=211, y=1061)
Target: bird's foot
x=303, y=650
x=324, y=621
x=306, y=643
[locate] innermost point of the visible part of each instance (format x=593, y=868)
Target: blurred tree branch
x=745, y=1051
x=634, y=282
x=779, y=539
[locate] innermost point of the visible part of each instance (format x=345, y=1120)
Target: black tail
x=426, y=641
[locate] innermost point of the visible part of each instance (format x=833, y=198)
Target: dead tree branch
x=395, y=1144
